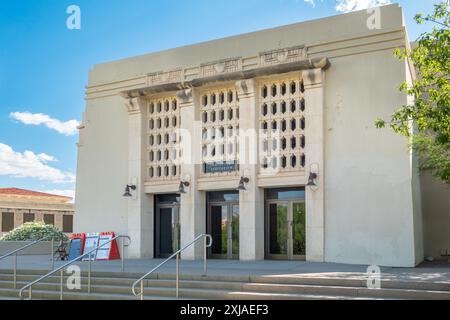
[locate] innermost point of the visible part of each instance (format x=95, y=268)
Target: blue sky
x=44, y=66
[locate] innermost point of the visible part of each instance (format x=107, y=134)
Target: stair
x=117, y=286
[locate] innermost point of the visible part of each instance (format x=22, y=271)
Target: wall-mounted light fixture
x=128, y=189
x=242, y=183
x=312, y=180
x=313, y=175
x=183, y=184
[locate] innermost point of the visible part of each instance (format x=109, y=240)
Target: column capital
x=246, y=88
x=313, y=78
x=135, y=105
x=186, y=96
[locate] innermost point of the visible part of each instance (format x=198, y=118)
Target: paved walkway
x=426, y=272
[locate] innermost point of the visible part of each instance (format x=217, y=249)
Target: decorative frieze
x=266, y=63
x=164, y=77
x=221, y=67
x=280, y=56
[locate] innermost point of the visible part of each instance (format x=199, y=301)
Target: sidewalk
x=426, y=272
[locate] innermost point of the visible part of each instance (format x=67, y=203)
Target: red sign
x=109, y=251
x=81, y=236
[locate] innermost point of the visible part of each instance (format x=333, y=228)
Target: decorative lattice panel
x=282, y=123
x=163, y=139
x=220, y=131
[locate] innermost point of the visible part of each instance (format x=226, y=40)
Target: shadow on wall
x=436, y=217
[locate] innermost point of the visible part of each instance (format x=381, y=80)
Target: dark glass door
x=278, y=231
x=285, y=224
x=169, y=231
x=223, y=225
x=219, y=229
x=298, y=229
x=167, y=225
x=234, y=231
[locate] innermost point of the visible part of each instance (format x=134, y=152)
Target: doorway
x=223, y=224
x=285, y=224
x=167, y=225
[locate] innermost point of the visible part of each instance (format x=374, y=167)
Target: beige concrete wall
x=369, y=211
x=369, y=205
x=436, y=214
x=416, y=186
x=102, y=168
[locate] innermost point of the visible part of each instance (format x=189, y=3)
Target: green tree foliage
x=32, y=231
x=430, y=113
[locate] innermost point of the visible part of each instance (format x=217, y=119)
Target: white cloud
x=65, y=193
x=311, y=2
x=31, y=165
x=67, y=128
x=354, y=5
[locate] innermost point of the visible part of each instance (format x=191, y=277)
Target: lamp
x=311, y=180
x=182, y=185
x=242, y=183
x=128, y=189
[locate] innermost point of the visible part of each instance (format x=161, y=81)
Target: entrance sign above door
x=219, y=167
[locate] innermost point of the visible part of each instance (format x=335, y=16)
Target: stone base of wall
x=38, y=249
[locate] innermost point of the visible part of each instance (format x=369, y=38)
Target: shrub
x=32, y=231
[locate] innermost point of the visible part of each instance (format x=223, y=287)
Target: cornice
x=231, y=69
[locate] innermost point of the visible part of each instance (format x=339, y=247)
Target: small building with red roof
x=18, y=206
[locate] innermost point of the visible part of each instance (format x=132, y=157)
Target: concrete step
x=227, y=287
x=164, y=294
x=165, y=288
x=12, y=294
x=127, y=277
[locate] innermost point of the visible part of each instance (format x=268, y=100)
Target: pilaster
x=251, y=201
x=193, y=202
x=313, y=81
x=140, y=205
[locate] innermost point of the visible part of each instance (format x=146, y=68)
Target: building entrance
x=285, y=224
x=167, y=224
x=223, y=224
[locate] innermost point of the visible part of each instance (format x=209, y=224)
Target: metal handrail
x=177, y=255
x=15, y=252
x=61, y=268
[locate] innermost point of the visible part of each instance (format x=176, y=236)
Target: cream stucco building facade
x=267, y=112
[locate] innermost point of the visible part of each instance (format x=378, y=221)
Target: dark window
x=283, y=89
x=7, y=221
x=68, y=223
x=49, y=219
x=285, y=193
x=221, y=196
x=264, y=92
x=168, y=198
x=28, y=217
